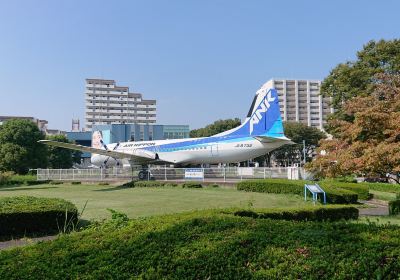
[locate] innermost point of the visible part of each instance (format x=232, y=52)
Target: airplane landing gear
x=145, y=174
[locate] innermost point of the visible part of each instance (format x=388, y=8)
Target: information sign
x=194, y=173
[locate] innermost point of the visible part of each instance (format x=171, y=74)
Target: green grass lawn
x=138, y=202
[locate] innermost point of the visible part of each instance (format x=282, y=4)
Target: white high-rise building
x=107, y=103
x=300, y=101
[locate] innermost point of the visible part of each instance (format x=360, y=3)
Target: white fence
x=217, y=174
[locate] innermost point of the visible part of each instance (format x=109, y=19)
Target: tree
x=215, y=128
x=368, y=142
x=12, y=157
x=77, y=157
x=298, y=132
x=59, y=157
x=357, y=78
x=19, y=146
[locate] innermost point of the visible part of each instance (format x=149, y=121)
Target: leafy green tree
x=59, y=157
x=77, y=156
x=357, y=78
x=215, y=128
x=19, y=146
x=297, y=132
x=12, y=157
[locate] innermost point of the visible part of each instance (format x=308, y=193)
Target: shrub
x=382, y=187
x=26, y=214
x=340, y=196
x=153, y=184
x=192, y=185
x=210, y=245
x=148, y=184
x=55, y=182
x=394, y=207
x=331, y=213
x=345, y=179
x=9, y=178
x=272, y=186
x=103, y=184
x=130, y=184
x=76, y=183
x=5, y=177
x=361, y=190
x=280, y=186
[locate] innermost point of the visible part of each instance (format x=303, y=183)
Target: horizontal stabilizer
x=267, y=139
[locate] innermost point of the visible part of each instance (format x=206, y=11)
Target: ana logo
x=262, y=108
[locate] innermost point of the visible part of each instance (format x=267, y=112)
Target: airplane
x=261, y=132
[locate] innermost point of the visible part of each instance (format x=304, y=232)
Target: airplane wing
x=139, y=156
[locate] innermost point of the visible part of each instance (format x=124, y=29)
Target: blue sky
x=201, y=60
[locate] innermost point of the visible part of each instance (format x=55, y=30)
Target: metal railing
x=215, y=174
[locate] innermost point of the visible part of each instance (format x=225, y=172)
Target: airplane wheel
x=143, y=175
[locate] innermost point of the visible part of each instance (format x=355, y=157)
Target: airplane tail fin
x=264, y=117
x=97, y=140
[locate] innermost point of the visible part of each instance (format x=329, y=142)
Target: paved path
x=376, y=208
x=24, y=241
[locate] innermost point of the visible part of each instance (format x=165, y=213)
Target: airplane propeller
x=107, y=149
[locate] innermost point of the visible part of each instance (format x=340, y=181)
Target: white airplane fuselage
x=187, y=151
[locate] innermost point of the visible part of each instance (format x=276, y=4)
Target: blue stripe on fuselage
x=197, y=143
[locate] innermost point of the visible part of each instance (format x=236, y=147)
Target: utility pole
x=304, y=152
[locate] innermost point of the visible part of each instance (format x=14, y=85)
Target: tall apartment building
x=107, y=103
x=300, y=101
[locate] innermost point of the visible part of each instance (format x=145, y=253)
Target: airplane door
x=214, y=150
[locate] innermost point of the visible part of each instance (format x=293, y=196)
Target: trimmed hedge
x=148, y=184
x=331, y=213
x=192, y=185
x=10, y=179
x=333, y=194
x=361, y=190
x=56, y=182
x=156, y=184
x=153, y=184
x=394, y=207
x=210, y=245
x=26, y=214
x=272, y=186
x=382, y=187
x=339, y=196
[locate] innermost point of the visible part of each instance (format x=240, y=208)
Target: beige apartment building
x=300, y=101
x=107, y=103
